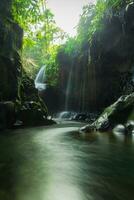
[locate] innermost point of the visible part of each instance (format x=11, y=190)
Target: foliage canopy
x=42, y=33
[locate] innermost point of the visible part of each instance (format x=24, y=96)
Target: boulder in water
x=130, y=127
x=117, y=113
x=120, y=128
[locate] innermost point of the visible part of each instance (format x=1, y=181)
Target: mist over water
x=58, y=163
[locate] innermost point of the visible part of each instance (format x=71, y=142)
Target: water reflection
x=58, y=163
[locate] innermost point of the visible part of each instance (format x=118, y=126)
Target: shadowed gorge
x=11, y=42
x=66, y=101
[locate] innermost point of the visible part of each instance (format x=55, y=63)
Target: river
x=58, y=163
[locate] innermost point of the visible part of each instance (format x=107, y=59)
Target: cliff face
x=10, y=43
x=103, y=70
x=16, y=100
x=112, y=57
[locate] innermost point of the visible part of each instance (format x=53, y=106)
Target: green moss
x=119, y=112
x=102, y=8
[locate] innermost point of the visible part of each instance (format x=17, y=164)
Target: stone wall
x=112, y=55
x=10, y=44
x=103, y=69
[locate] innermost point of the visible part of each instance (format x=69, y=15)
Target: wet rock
x=117, y=113
x=81, y=117
x=30, y=103
x=7, y=114
x=86, y=117
x=126, y=129
x=32, y=114
x=51, y=98
x=88, y=129
x=10, y=43
x=65, y=115
x=120, y=128
x=18, y=123
x=129, y=127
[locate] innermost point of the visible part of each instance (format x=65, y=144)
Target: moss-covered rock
x=28, y=94
x=16, y=88
x=100, y=71
x=33, y=114
x=10, y=66
x=112, y=56
x=118, y=113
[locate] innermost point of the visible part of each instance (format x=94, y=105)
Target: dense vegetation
x=41, y=34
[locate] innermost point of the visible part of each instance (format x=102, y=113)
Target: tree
x=40, y=32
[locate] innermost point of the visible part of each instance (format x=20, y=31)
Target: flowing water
x=69, y=91
x=76, y=94
x=81, y=86
x=58, y=163
x=41, y=79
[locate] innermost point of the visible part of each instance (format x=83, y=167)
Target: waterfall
x=68, y=90
x=81, y=85
x=40, y=80
x=77, y=89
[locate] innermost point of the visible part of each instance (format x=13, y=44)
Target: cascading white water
x=40, y=80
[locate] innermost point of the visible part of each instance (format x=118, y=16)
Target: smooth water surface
x=57, y=163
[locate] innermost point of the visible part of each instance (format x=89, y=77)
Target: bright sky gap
x=67, y=13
